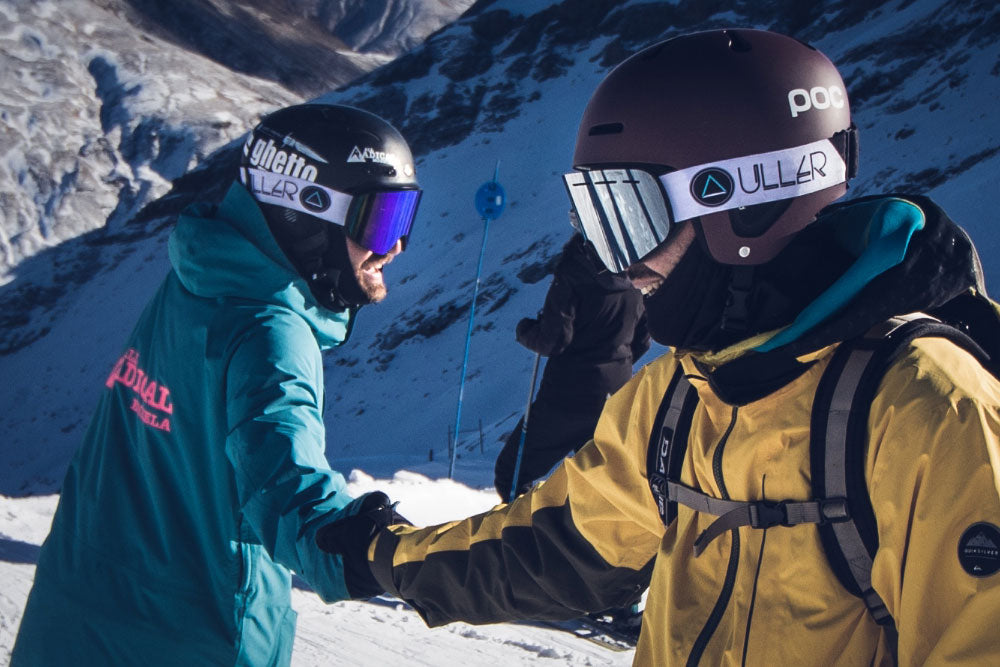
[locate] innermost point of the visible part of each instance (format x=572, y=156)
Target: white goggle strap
x=297, y=194
x=753, y=179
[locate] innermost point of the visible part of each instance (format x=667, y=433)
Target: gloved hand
x=522, y=328
x=350, y=538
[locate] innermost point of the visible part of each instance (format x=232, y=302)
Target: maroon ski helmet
x=748, y=131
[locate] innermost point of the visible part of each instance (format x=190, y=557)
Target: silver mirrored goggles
x=626, y=213
x=622, y=212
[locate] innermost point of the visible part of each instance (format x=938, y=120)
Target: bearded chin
x=348, y=286
x=373, y=291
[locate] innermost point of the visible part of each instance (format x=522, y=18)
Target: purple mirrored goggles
x=373, y=220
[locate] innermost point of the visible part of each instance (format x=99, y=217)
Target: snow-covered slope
x=505, y=83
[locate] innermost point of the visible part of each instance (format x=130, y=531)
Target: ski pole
x=524, y=428
x=468, y=342
x=490, y=201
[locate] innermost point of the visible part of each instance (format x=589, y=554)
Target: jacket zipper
x=756, y=581
x=712, y=624
x=246, y=578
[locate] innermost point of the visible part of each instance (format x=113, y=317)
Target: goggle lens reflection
x=622, y=212
x=376, y=220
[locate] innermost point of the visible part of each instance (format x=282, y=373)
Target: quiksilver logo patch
x=979, y=549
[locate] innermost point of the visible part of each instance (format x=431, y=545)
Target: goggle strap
x=297, y=194
x=846, y=142
x=754, y=179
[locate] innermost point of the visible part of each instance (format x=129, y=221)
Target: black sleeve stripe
x=543, y=571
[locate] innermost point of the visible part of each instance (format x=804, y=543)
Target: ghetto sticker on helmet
x=979, y=549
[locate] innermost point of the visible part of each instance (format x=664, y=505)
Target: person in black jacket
x=592, y=327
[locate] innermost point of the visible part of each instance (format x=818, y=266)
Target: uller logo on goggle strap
x=712, y=186
x=314, y=199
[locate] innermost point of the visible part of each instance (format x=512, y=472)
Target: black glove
x=350, y=538
x=522, y=328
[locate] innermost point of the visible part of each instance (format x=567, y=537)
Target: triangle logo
x=356, y=155
x=713, y=188
x=982, y=540
x=315, y=200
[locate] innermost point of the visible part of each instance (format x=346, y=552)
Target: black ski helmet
x=726, y=110
x=314, y=170
x=340, y=147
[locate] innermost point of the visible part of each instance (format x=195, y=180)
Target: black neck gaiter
x=687, y=308
x=686, y=312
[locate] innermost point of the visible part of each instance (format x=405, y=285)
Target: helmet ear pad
x=317, y=250
x=757, y=234
x=303, y=239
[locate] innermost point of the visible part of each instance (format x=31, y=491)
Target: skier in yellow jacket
x=707, y=167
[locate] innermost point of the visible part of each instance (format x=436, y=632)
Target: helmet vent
x=606, y=128
x=737, y=42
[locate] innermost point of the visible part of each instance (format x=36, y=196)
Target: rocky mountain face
x=309, y=46
x=104, y=118
x=104, y=102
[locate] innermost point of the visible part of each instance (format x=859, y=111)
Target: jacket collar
x=910, y=257
x=228, y=251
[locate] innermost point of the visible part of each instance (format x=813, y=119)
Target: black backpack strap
x=667, y=445
x=668, y=441
x=839, y=443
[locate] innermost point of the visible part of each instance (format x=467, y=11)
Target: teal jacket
x=202, y=480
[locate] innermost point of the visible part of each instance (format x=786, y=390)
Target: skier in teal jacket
x=202, y=480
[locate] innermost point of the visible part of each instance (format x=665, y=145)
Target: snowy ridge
x=104, y=103
x=388, y=26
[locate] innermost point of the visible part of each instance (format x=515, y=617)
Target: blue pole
x=468, y=342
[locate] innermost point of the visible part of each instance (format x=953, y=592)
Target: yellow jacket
x=582, y=541
x=591, y=537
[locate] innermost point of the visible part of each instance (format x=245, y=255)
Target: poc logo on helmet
x=818, y=97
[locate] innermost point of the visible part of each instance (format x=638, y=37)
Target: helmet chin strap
x=334, y=285
x=325, y=287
